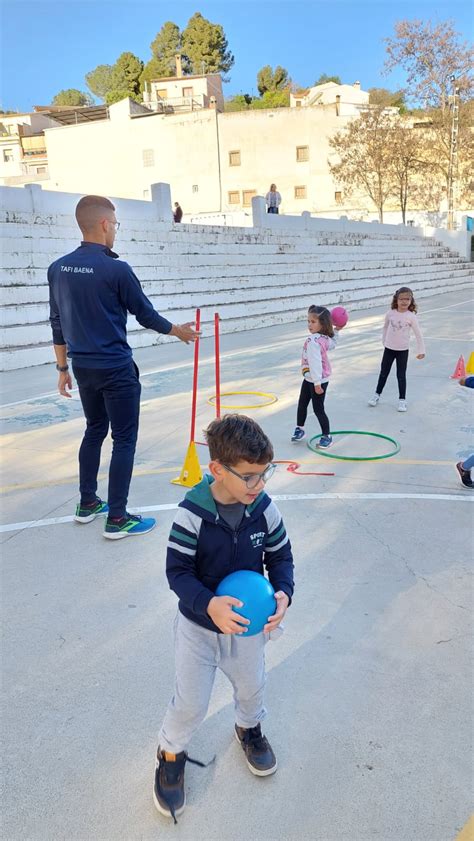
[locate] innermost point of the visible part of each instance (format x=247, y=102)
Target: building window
x=40, y=170
x=146, y=194
x=7, y=155
x=298, y=103
x=162, y=93
x=338, y=197
x=187, y=91
x=148, y=157
x=302, y=153
x=195, y=188
x=247, y=196
x=234, y=158
x=300, y=192
x=234, y=197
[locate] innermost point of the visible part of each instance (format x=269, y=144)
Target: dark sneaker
x=298, y=434
x=464, y=475
x=260, y=758
x=85, y=513
x=168, y=788
x=128, y=526
x=324, y=442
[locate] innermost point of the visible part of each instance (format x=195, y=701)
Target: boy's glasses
x=254, y=479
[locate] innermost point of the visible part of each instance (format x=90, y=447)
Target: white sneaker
x=374, y=400
x=402, y=406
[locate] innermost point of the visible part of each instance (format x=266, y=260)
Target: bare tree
x=430, y=54
x=361, y=159
x=409, y=166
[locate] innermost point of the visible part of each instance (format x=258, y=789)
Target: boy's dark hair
x=90, y=209
x=235, y=438
x=325, y=320
x=394, y=305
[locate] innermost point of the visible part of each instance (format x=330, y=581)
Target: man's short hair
x=90, y=209
x=235, y=438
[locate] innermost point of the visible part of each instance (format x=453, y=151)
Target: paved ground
x=369, y=689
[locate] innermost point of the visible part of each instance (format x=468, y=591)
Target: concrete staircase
x=252, y=276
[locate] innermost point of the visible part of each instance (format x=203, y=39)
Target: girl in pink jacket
x=316, y=370
x=399, y=322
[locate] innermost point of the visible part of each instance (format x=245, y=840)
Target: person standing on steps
x=91, y=292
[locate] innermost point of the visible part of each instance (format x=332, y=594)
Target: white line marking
x=54, y=521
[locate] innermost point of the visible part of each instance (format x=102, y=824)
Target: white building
x=175, y=94
x=345, y=100
x=23, y=155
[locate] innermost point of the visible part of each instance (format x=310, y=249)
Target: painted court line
x=54, y=521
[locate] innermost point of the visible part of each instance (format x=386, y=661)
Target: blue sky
x=47, y=46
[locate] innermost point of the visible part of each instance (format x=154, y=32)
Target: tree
x=272, y=80
x=164, y=48
x=387, y=99
x=362, y=157
x=99, y=80
x=125, y=78
x=240, y=102
x=273, y=99
x=430, y=54
x=72, y=96
x=436, y=128
x=205, y=46
x=408, y=164
x=325, y=78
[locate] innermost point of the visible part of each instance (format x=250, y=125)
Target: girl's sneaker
x=298, y=434
x=324, y=442
x=374, y=400
x=85, y=513
x=402, y=405
x=128, y=526
x=465, y=476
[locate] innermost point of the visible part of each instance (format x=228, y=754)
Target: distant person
x=464, y=467
x=273, y=199
x=399, y=322
x=178, y=212
x=90, y=294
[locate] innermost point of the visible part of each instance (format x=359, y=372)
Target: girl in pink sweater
x=399, y=321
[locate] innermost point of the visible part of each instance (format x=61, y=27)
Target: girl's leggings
x=307, y=395
x=401, y=357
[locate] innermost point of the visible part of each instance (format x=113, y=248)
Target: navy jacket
x=90, y=294
x=203, y=549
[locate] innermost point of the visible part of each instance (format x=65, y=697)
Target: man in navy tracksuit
x=224, y=524
x=91, y=292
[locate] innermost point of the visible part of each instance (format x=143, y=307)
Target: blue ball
x=255, y=592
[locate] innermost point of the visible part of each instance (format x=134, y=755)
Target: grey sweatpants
x=198, y=653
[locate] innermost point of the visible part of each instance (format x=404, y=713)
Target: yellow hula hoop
x=272, y=398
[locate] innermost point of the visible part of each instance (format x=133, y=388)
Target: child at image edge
x=225, y=523
x=316, y=370
x=399, y=321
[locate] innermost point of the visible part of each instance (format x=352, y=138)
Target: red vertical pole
x=195, y=376
x=218, y=372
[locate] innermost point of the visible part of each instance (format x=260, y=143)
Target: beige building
x=177, y=94
x=23, y=155
x=344, y=100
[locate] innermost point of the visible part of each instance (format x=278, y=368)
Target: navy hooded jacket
x=203, y=549
x=90, y=294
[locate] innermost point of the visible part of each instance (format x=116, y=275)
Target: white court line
x=228, y=355
x=54, y=521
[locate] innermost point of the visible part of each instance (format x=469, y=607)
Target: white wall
x=254, y=276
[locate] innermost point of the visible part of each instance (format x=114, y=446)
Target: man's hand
x=282, y=601
x=319, y=389
x=185, y=332
x=221, y=613
x=64, y=383
x=420, y=355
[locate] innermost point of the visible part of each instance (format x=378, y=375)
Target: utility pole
x=453, y=155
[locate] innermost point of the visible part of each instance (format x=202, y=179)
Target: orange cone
x=460, y=369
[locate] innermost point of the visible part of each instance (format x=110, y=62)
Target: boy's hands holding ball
x=221, y=613
x=282, y=601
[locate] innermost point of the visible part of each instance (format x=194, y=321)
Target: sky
x=48, y=46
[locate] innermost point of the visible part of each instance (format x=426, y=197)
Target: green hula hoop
x=322, y=452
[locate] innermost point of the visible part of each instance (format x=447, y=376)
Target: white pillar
x=161, y=198
x=258, y=212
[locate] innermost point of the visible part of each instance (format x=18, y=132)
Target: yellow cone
x=191, y=472
x=470, y=364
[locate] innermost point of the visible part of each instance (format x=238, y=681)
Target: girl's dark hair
x=235, y=438
x=325, y=320
x=394, y=305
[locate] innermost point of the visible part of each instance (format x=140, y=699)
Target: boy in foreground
x=225, y=523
